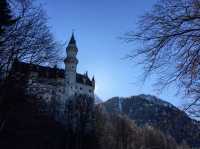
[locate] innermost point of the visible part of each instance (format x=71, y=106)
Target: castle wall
x=77, y=88
x=57, y=89
x=45, y=88
x=54, y=83
x=84, y=89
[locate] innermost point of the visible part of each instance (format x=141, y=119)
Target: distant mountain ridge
x=156, y=100
x=150, y=110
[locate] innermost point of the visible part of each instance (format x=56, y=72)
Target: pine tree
x=6, y=18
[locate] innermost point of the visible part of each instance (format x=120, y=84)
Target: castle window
x=80, y=88
x=90, y=91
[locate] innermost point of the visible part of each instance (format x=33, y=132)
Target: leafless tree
x=29, y=39
x=169, y=36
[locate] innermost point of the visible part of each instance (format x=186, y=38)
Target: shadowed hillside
x=149, y=110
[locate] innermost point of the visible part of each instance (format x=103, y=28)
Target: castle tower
x=70, y=66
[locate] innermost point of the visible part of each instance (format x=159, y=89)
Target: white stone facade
x=76, y=83
x=58, y=84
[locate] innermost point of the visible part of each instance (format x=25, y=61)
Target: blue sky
x=98, y=24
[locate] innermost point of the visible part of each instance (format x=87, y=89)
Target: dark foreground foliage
x=23, y=124
x=119, y=132
x=27, y=127
x=80, y=123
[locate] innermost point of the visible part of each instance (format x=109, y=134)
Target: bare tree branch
x=170, y=44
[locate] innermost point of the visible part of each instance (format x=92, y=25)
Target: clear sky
x=98, y=24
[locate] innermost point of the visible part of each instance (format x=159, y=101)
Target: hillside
x=146, y=109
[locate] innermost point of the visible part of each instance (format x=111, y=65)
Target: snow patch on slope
x=120, y=104
x=97, y=99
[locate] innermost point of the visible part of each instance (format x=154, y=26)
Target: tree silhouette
x=6, y=18
x=29, y=39
x=170, y=45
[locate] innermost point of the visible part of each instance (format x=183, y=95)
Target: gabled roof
x=47, y=72
x=43, y=71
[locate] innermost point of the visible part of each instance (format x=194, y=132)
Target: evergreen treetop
x=6, y=18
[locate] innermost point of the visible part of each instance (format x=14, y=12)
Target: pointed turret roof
x=72, y=40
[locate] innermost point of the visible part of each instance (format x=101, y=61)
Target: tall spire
x=72, y=40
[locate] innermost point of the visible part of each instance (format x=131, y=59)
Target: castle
x=76, y=83
x=54, y=83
